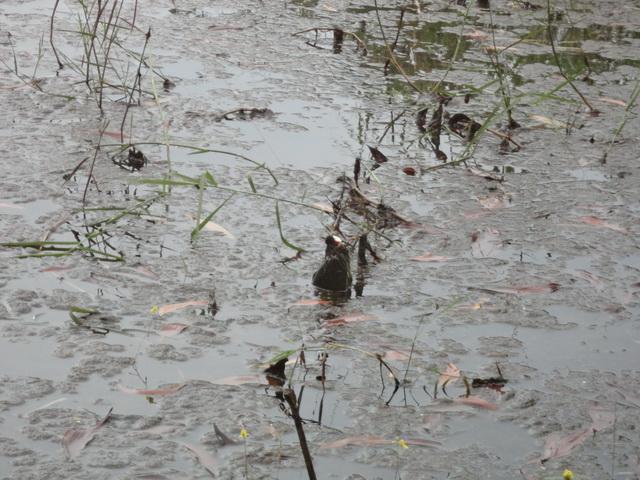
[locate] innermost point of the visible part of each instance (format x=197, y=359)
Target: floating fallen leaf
x=377, y=155
x=524, y=290
x=119, y=135
x=57, y=269
x=476, y=34
x=147, y=272
x=611, y=100
x=241, y=380
x=598, y=222
x=9, y=205
x=350, y=318
x=527, y=476
x=214, y=227
x=556, y=446
x=176, y=306
x=328, y=7
x=432, y=423
x=209, y=464
x=431, y=258
x=172, y=329
x=355, y=441
x=394, y=355
x=476, y=402
x=139, y=391
x=449, y=375
x=601, y=416
x=222, y=437
x=631, y=397
x=486, y=243
x=409, y=171
x=549, y=121
x=596, y=282
x=492, y=201
x=75, y=439
x=324, y=208
x=312, y=302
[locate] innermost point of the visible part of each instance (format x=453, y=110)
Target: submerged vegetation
x=463, y=98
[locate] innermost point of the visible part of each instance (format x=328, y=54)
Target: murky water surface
x=520, y=264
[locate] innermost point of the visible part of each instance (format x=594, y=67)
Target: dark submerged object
x=335, y=272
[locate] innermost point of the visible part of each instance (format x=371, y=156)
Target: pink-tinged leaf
x=476, y=34
x=393, y=355
x=177, y=306
x=209, y=464
x=355, y=441
x=241, y=380
x=118, y=135
x=75, y=439
x=139, y=391
x=593, y=280
x=311, y=302
x=527, y=476
x=147, y=272
x=613, y=101
x=486, y=243
x=556, y=446
x=449, y=375
x=350, y=318
x=172, y=329
x=476, y=402
x=56, y=269
x=324, y=208
x=433, y=423
x=492, y=201
x=601, y=416
x=631, y=397
x=330, y=8
x=598, y=222
x=524, y=290
x=431, y=258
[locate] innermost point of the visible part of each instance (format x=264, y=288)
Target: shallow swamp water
x=504, y=293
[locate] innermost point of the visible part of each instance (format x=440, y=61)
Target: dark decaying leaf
x=222, y=437
x=377, y=155
x=75, y=439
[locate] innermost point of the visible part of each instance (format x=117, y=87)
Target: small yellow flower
x=154, y=309
x=400, y=441
x=244, y=433
x=567, y=475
